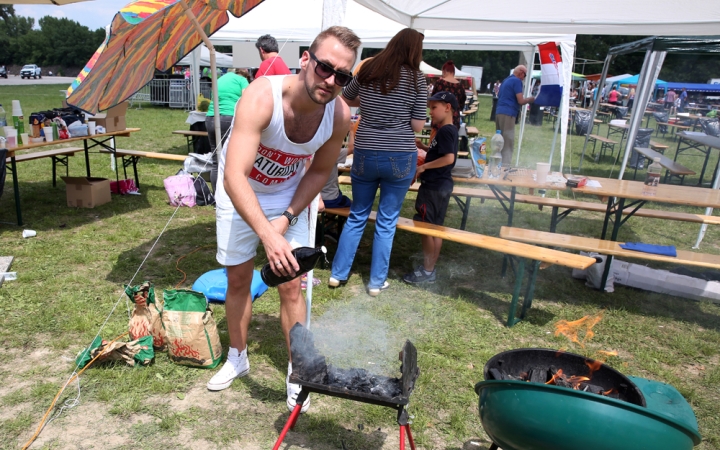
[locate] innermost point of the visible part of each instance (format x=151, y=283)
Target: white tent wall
x=245, y=54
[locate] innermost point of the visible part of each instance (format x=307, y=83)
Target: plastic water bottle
x=3, y=117
x=496, y=145
x=652, y=178
x=18, y=120
x=306, y=258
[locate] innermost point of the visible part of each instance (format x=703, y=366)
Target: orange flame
x=609, y=391
x=557, y=375
x=572, y=329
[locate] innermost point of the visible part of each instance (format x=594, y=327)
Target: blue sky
x=93, y=14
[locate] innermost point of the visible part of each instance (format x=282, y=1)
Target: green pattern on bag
x=184, y=300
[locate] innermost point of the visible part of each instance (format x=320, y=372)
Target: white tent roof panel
x=613, y=17
x=301, y=22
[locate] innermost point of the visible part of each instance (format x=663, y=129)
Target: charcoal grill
x=409, y=369
x=521, y=415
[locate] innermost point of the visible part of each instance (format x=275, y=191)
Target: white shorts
x=237, y=242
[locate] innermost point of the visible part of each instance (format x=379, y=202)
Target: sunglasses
x=325, y=71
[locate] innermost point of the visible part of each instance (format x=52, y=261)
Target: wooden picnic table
x=698, y=141
x=104, y=141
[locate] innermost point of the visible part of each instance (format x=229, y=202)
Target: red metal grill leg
x=403, y=429
x=410, y=438
x=288, y=425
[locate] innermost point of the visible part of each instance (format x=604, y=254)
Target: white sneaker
x=237, y=365
x=293, y=390
x=374, y=292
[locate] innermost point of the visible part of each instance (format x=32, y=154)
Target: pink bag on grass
x=180, y=190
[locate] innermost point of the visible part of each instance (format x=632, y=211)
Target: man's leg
x=431, y=251
x=506, y=124
x=238, y=310
x=238, y=303
x=292, y=308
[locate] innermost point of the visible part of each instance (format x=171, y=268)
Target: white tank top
x=280, y=163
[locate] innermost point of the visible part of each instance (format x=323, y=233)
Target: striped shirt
x=385, y=123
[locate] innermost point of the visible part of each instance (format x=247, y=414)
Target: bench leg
x=512, y=320
x=465, y=211
x=530, y=290
x=16, y=188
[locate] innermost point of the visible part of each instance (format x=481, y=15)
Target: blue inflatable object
x=214, y=285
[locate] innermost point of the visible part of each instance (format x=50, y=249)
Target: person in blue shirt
x=510, y=98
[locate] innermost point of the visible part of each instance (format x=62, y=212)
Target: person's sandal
x=374, y=292
x=334, y=282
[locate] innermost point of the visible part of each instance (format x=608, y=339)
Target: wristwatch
x=292, y=219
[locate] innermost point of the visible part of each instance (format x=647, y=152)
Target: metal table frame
x=97, y=141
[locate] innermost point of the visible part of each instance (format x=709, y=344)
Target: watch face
x=292, y=219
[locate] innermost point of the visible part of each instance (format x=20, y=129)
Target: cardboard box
x=113, y=119
x=85, y=192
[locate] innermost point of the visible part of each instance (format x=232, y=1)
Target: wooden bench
x=605, y=144
x=191, y=136
x=58, y=156
x=556, y=204
x=603, y=247
x=604, y=116
x=532, y=253
x=672, y=168
x=658, y=146
x=131, y=157
x=675, y=126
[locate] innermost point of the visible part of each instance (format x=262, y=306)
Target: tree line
x=64, y=42
x=57, y=41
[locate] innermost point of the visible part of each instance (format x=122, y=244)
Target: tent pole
x=608, y=60
x=646, y=82
x=526, y=88
x=213, y=69
x=568, y=55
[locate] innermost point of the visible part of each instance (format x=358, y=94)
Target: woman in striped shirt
x=392, y=94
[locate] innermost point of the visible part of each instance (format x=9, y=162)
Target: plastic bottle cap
x=498, y=132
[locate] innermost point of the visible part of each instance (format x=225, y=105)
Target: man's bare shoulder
x=341, y=120
x=256, y=103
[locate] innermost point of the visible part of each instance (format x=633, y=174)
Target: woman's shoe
x=374, y=292
x=334, y=282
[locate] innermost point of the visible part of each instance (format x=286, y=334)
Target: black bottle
x=306, y=257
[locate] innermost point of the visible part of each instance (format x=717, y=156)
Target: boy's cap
x=446, y=97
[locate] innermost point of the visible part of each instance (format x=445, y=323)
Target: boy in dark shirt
x=436, y=177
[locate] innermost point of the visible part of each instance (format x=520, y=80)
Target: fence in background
x=173, y=93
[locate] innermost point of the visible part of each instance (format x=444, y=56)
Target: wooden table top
x=664, y=193
x=610, y=187
x=710, y=141
x=124, y=133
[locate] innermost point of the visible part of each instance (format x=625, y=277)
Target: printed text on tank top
x=273, y=166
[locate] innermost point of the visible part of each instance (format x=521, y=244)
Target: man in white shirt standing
x=281, y=122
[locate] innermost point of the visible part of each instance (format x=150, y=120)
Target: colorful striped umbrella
x=144, y=36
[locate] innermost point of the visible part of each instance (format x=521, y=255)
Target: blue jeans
x=393, y=172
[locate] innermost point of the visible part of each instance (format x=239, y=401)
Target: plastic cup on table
x=541, y=172
x=25, y=138
x=91, y=128
x=48, y=134
x=11, y=138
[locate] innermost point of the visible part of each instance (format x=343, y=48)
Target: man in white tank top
x=264, y=188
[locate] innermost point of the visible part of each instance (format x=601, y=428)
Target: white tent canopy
x=222, y=60
x=612, y=17
x=427, y=69
x=290, y=21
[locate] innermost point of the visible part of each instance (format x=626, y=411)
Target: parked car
x=30, y=70
x=3, y=72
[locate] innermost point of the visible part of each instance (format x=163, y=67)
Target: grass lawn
x=70, y=278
